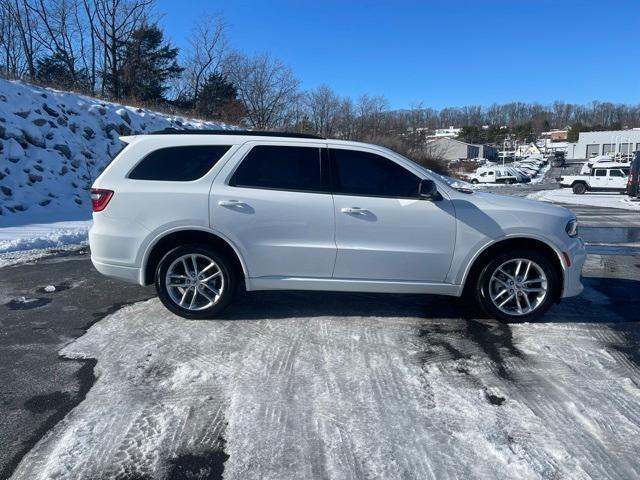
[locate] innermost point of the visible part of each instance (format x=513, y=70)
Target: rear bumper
x=572, y=284
x=127, y=274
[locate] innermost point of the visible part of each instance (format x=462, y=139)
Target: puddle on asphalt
x=208, y=465
x=24, y=303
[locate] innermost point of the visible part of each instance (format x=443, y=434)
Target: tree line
x=116, y=49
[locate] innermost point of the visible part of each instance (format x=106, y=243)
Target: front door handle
x=231, y=203
x=354, y=210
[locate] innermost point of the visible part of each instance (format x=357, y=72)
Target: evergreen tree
x=216, y=94
x=149, y=63
x=54, y=70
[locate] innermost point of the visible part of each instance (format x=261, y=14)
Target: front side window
x=178, y=164
x=280, y=168
x=615, y=173
x=363, y=173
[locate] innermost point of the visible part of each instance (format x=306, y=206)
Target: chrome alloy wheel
x=194, y=282
x=518, y=287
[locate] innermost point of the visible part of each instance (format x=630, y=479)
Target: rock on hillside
x=53, y=145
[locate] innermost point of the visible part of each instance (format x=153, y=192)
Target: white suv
x=200, y=213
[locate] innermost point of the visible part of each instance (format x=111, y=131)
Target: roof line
x=252, y=133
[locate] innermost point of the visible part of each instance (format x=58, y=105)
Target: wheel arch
x=174, y=238
x=493, y=248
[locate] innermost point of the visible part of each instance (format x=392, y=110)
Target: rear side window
x=179, y=164
x=363, y=173
x=280, y=168
x=601, y=173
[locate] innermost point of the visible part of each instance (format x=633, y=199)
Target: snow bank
x=41, y=236
x=53, y=145
x=597, y=199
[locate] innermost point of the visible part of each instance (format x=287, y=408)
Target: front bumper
x=572, y=284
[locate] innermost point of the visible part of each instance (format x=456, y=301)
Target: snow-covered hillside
x=52, y=146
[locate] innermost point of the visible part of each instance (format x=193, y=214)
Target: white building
x=447, y=132
x=591, y=144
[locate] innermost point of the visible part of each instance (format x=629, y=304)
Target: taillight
x=100, y=198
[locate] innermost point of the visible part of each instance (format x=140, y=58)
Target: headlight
x=572, y=228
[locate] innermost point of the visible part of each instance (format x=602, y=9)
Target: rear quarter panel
x=141, y=210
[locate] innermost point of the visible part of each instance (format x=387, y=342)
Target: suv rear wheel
x=518, y=286
x=193, y=281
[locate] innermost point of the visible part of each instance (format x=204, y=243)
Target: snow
x=43, y=236
x=597, y=199
x=53, y=144
x=50, y=288
x=349, y=396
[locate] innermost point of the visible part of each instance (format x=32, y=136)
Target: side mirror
x=428, y=190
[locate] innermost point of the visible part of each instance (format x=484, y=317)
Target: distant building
x=447, y=132
x=555, y=135
x=527, y=150
x=613, y=142
x=452, y=150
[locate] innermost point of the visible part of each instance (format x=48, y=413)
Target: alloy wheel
x=518, y=287
x=194, y=282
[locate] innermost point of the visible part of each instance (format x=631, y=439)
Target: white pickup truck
x=603, y=178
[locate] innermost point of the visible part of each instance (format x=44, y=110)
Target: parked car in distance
x=494, y=174
x=201, y=214
x=604, y=177
x=633, y=182
x=602, y=160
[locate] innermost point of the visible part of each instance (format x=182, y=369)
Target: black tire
x=579, y=188
x=228, y=276
x=483, y=284
x=474, y=181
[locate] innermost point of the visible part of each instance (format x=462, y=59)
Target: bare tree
x=370, y=116
x=207, y=48
x=266, y=87
x=116, y=20
x=58, y=32
x=323, y=105
x=19, y=12
x=12, y=62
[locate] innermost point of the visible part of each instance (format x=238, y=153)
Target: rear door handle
x=230, y=203
x=354, y=210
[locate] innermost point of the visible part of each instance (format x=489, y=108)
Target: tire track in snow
x=547, y=392
x=347, y=397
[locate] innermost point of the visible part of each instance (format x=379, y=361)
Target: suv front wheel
x=518, y=286
x=195, y=282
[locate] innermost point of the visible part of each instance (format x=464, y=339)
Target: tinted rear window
x=178, y=164
x=281, y=168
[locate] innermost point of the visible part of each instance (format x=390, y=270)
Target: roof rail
x=252, y=133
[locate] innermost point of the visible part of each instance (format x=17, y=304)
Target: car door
x=384, y=231
x=617, y=180
x=272, y=205
x=599, y=178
